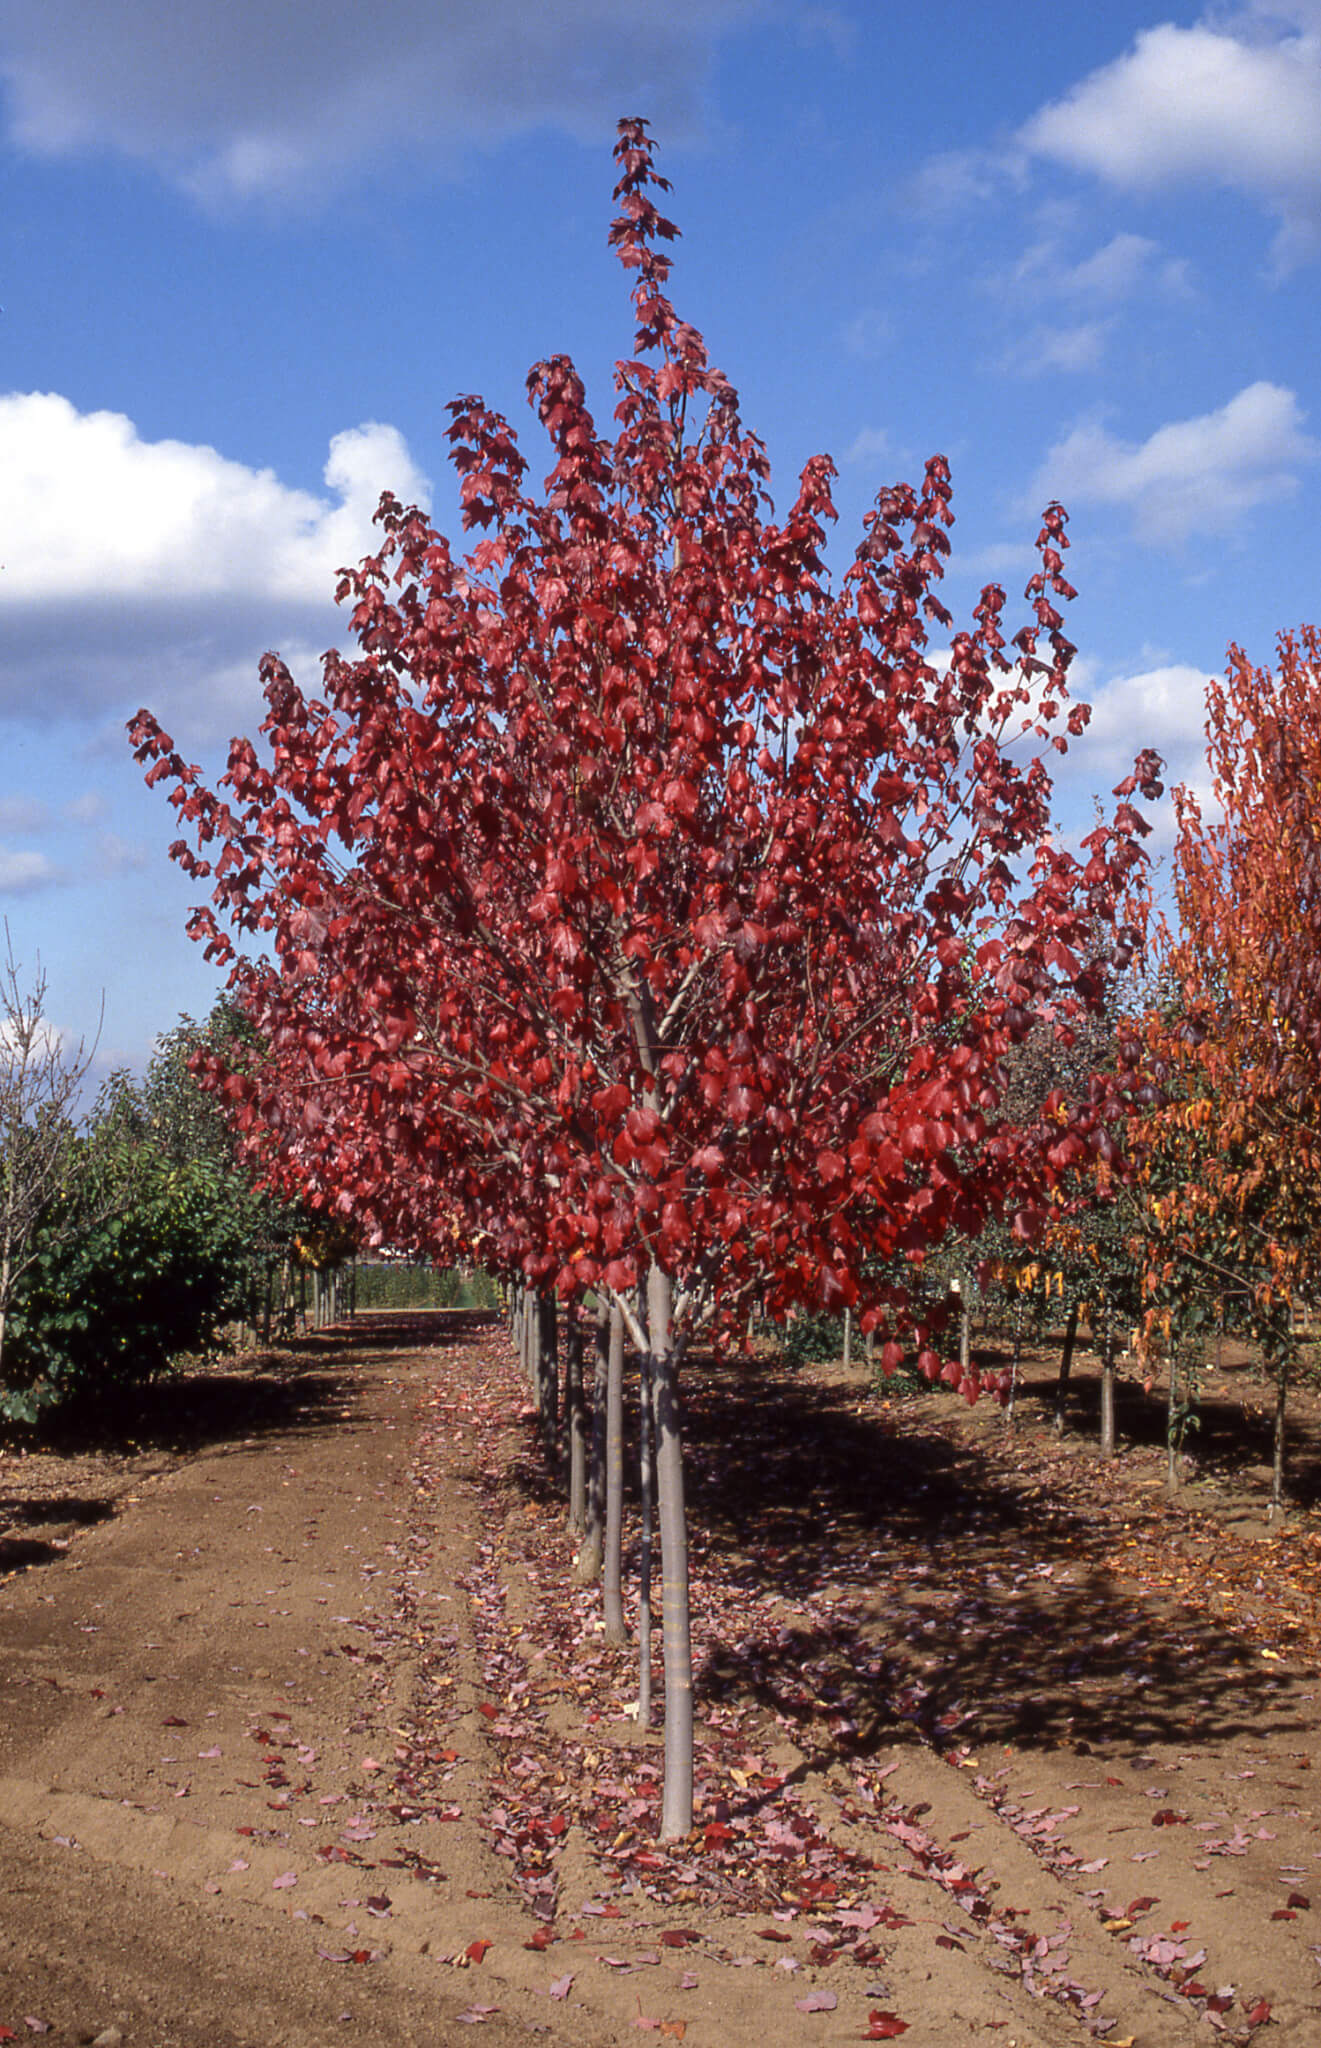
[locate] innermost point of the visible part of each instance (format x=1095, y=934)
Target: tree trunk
x=576, y=1419
x=1172, y=1430
x=1066, y=1365
x=1108, y=1394
x=523, y=1335
x=548, y=1373
x=965, y=1327
x=612, y=1593
x=591, y=1550
x=677, y=1801
x=1011, y=1407
x=646, y=1468
x=1277, y=1460
x=848, y=1339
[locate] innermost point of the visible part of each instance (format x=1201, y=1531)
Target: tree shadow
x=1227, y=1436
x=18, y=1552
x=62, y=1507
x=301, y=1386
x=920, y=1594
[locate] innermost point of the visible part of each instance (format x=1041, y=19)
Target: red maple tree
x=645, y=899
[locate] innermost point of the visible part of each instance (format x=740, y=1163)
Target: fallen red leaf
x=476, y=1950
x=884, y=2026
x=1260, y=2013
x=1300, y=1900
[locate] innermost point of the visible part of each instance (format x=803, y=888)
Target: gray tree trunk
x=646, y=1468
x=1172, y=1430
x=1278, y=1447
x=612, y=1583
x=848, y=1339
x=1108, y=1395
x=576, y=1420
x=591, y=1551
x=1011, y=1406
x=677, y=1798
x=546, y=1346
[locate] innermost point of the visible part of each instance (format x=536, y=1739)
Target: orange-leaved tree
x=1242, y=1038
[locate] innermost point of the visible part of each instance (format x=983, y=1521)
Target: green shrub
x=108, y=1308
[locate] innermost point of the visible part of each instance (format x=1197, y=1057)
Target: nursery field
x=307, y=1730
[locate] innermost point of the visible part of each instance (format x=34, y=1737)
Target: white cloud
x=1086, y=294
x=1195, y=475
x=870, y=444
x=22, y=814
x=115, y=855
x=91, y=510
x=236, y=98
x=1072, y=348
x=1237, y=104
x=1163, y=707
x=161, y=571
x=1121, y=268
x=87, y=809
x=22, y=872
x=954, y=180
x=1000, y=560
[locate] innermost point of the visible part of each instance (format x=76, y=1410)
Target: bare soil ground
x=306, y=1730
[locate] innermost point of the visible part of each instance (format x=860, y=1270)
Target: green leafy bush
x=154, y=1274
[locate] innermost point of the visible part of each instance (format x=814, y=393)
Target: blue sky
x=248, y=252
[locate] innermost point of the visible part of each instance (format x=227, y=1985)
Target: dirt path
x=306, y=1732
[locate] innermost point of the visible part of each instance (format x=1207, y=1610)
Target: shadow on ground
x=919, y=1591
x=1231, y=1438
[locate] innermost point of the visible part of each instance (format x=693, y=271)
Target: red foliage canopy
x=637, y=894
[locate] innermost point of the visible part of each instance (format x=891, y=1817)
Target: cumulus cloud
x=92, y=509
x=1236, y=103
x=162, y=570
x=1195, y=475
x=23, y=870
x=1073, y=347
x=870, y=444
x=22, y=814
x=1161, y=707
x=1123, y=267
x=235, y=98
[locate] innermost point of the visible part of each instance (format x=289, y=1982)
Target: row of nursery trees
x=656, y=918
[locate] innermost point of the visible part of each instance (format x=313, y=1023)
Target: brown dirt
x=306, y=1730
